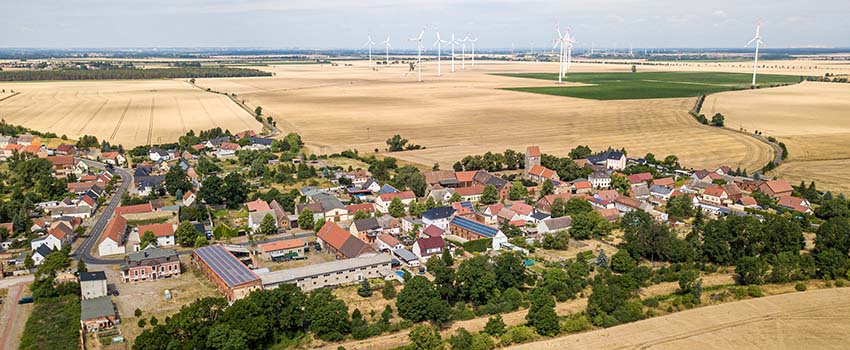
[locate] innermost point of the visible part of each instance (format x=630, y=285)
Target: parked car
x=25, y=300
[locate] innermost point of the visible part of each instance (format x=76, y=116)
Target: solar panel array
x=474, y=226
x=225, y=265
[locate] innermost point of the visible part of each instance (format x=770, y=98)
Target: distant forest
x=130, y=73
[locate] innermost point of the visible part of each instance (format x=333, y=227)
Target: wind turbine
x=531, y=44
x=473, y=50
x=439, y=43
x=463, y=53
x=757, y=40
x=418, y=41
x=453, y=42
x=561, y=42
x=386, y=44
x=369, y=43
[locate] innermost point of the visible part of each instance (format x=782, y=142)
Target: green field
x=643, y=85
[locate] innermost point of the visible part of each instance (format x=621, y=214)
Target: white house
x=51, y=241
x=164, y=233
x=439, y=216
x=112, y=240
x=92, y=285
x=388, y=243
x=40, y=253
x=498, y=240
x=425, y=248
x=600, y=179
x=382, y=203
x=156, y=154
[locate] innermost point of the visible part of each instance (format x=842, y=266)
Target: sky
x=330, y=24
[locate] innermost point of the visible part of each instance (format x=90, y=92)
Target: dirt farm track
x=817, y=319
x=128, y=112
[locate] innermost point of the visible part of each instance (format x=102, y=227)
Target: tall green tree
x=541, y=314
x=148, y=238
x=305, y=219
x=396, y=208
x=176, y=181
x=186, y=234
x=419, y=301
x=327, y=315
x=490, y=195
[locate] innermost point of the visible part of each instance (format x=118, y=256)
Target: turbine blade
x=751, y=41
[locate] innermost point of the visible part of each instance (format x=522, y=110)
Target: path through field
x=818, y=319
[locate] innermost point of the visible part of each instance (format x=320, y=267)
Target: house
x=611, y=159
x=282, y=217
x=258, y=205
x=640, y=178
x=484, y=178
x=545, y=203
x=226, y=272
x=113, y=158
x=134, y=209
x=66, y=150
x=382, y=203
x=96, y=314
x=733, y=191
x=62, y=165
x=580, y=187
x=539, y=174
x=439, y=216
x=465, y=178
x=92, y=284
x=367, y=208
x=366, y=229
x=284, y=249
x=40, y=253
x=341, y=243
x=441, y=195
x=470, y=194
x=358, y=177
x=610, y=214
x=555, y=224
x=715, y=195
x=324, y=205
x=524, y=211
x=640, y=191
x=388, y=243
x=600, y=179
x=426, y=247
x=664, y=181
x=747, y=202
x=330, y=274
x=795, y=203
x=51, y=241
x=112, y=240
x=164, y=233
x=627, y=204
x=472, y=230
x=776, y=188
x=150, y=264
x=157, y=154
x=661, y=192
x=371, y=185
x=189, y=198
x=255, y=218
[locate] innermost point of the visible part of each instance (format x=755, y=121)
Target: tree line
x=131, y=73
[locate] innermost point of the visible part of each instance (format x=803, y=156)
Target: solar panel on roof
x=225, y=265
x=474, y=226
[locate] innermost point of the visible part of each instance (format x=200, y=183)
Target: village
x=333, y=226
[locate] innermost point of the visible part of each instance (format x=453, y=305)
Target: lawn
x=54, y=324
x=644, y=85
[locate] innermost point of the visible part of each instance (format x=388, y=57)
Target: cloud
x=615, y=18
x=680, y=19
x=719, y=13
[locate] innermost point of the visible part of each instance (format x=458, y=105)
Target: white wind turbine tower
x=418, y=41
x=560, y=42
x=757, y=40
x=439, y=43
x=387, y=46
x=453, y=42
x=369, y=43
x=531, y=44
x=473, y=50
x=570, y=41
x=463, y=53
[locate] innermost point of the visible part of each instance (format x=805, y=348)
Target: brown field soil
x=818, y=319
x=131, y=113
x=810, y=118
x=338, y=108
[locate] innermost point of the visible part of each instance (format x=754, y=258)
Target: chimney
x=146, y=253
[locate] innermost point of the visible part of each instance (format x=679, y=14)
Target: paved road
x=10, y=317
x=84, y=251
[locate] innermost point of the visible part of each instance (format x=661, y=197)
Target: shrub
x=800, y=287
x=576, y=323
x=478, y=245
x=388, y=292
x=840, y=283
x=518, y=335
x=754, y=291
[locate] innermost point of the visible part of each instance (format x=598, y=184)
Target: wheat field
x=131, y=113
x=335, y=108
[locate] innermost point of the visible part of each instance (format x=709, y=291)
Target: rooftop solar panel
x=474, y=226
x=225, y=265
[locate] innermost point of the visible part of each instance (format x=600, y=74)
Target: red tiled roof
x=664, y=181
x=794, y=203
x=364, y=207
x=134, y=209
x=281, y=245
x=14, y=147
x=533, y=151
x=159, y=230
x=229, y=146
x=333, y=235
x=115, y=229
x=518, y=223
x=747, y=201
x=258, y=205
x=386, y=197
x=199, y=147
x=639, y=178
x=465, y=176
x=430, y=243
x=582, y=185
x=522, y=208
x=470, y=191
x=109, y=155
x=542, y=171
x=495, y=208
x=91, y=202
x=389, y=240
x=56, y=232
x=779, y=186
x=433, y=231
x=715, y=191
x=608, y=195
x=31, y=149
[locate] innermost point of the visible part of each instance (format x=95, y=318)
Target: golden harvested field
x=131, y=113
x=338, y=108
x=812, y=119
x=818, y=319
